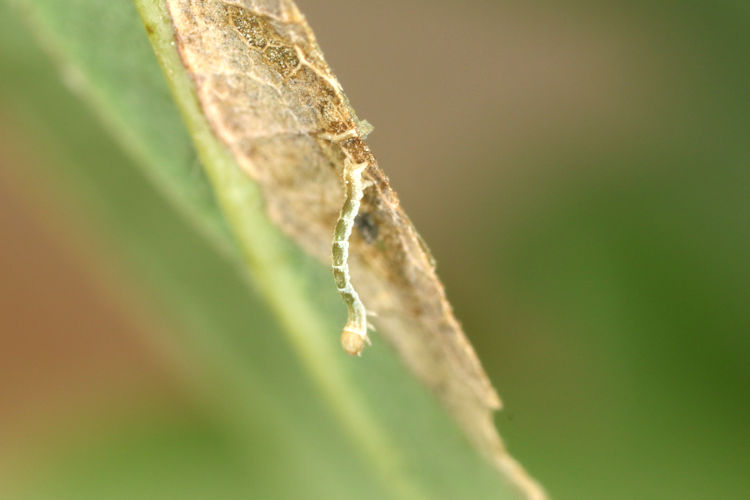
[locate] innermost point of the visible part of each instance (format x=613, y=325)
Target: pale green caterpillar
x=354, y=335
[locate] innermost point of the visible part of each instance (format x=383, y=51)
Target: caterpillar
x=354, y=334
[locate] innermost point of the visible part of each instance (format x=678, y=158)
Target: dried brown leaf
x=269, y=95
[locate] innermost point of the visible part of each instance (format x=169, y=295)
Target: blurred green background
x=580, y=172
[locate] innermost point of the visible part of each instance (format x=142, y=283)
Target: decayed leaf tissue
x=271, y=98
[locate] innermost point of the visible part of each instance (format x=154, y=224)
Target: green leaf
x=285, y=414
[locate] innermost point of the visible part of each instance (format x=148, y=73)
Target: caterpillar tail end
x=353, y=342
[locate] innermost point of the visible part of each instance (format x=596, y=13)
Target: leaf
x=268, y=94
x=400, y=433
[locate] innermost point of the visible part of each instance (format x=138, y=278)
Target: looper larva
x=354, y=334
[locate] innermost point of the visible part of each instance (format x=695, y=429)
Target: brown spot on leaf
x=358, y=150
x=282, y=58
x=367, y=227
x=254, y=29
